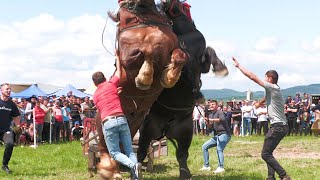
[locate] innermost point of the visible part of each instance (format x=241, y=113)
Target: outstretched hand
x=235, y=62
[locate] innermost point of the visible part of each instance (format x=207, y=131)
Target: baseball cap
x=77, y=122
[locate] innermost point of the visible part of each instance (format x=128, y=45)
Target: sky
x=60, y=42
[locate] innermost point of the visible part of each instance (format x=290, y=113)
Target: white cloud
x=313, y=46
x=222, y=47
x=267, y=44
x=294, y=68
x=48, y=50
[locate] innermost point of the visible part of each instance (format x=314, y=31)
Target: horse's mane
x=133, y=7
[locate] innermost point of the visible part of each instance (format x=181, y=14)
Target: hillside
x=230, y=93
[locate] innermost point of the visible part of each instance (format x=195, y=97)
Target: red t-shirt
x=58, y=114
x=106, y=98
x=39, y=115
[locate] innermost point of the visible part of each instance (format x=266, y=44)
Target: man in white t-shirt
x=262, y=122
x=246, y=113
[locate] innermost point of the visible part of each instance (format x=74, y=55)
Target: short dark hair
x=214, y=101
x=274, y=75
x=98, y=78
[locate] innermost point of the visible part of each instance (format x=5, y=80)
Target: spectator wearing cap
x=77, y=131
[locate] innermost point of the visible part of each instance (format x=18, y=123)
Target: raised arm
x=118, y=66
x=247, y=73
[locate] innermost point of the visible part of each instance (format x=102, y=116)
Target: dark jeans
x=271, y=141
x=304, y=127
x=254, y=125
x=7, y=138
x=296, y=126
x=264, y=125
x=56, y=131
x=66, y=131
x=46, y=132
x=290, y=124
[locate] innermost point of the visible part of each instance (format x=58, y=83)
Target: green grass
x=300, y=156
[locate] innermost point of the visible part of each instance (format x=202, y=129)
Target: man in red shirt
x=114, y=123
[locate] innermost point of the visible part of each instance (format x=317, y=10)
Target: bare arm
x=262, y=101
x=247, y=73
x=118, y=66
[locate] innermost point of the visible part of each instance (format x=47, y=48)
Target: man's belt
x=110, y=118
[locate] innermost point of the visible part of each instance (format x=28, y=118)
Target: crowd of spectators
x=244, y=119
x=62, y=116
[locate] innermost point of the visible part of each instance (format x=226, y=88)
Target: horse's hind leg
x=184, y=137
x=148, y=132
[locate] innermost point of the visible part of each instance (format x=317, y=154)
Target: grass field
x=300, y=156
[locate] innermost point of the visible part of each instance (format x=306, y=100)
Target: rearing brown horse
x=151, y=59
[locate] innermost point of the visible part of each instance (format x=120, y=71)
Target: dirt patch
x=246, y=142
x=297, y=155
x=280, y=152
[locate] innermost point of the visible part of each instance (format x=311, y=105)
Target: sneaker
x=6, y=169
x=219, y=170
x=205, y=168
x=137, y=171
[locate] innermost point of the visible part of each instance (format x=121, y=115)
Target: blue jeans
x=221, y=142
x=246, y=126
x=39, y=129
x=117, y=131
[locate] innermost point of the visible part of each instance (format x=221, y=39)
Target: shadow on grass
x=209, y=177
x=161, y=172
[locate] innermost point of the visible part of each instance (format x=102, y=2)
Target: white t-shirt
x=262, y=117
x=196, y=113
x=246, y=111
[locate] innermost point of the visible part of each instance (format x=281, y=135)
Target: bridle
x=172, y=5
x=142, y=21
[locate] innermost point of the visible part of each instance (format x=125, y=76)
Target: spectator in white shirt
x=246, y=111
x=262, y=114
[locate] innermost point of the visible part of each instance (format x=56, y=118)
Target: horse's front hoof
x=221, y=73
x=117, y=176
x=105, y=174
